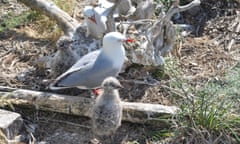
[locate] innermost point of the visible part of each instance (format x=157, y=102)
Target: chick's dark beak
x=119, y=87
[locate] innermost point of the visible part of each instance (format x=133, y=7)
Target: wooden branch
x=175, y=9
x=110, y=20
x=64, y=20
x=237, y=25
x=7, y=89
x=75, y=105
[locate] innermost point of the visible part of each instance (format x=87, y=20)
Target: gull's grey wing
x=85, y=60
x=90, y=76
x=82, y=64
x=88, y=73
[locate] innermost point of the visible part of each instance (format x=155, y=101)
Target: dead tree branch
x=237, y=30
x=132, y=112
x=175, y=9
x=63, y=19
x=110, y=20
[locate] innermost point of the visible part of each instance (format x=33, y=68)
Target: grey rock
x=10, y=123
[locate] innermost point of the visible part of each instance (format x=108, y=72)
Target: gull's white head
x=114, y=39
x=89, y=13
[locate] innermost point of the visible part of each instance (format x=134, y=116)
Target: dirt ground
x=203, y=55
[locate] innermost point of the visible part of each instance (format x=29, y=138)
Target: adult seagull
x=95, y=21
x=90, y=70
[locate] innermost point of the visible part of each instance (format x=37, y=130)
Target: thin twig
x=231, y=43
x=175, y=9
x=141, y=21
x=6, y=53
x=139, y=82
x=175, y=91
x=110, y=20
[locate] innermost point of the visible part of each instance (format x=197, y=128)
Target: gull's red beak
x=129, y=40
x=93, y=19
x=97, y=91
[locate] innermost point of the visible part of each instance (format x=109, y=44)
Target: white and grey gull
x=90, y=70
x=95, y=22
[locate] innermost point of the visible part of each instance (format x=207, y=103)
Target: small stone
x=21, y=77
x=10, y=123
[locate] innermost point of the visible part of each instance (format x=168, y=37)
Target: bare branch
x=133, y=112
x=110, y=20
x=175, y=9
x=64, y=20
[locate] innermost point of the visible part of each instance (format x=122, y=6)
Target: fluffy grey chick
x=107, y=110
x=145, y=10
x=64, y=58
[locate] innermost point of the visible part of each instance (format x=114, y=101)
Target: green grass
x=214, y=107
x=41, y=23
x=166, y=3
x=66, y=6
x=4, y=101
x=208, y=113
x=160, y=134
x=11, y=21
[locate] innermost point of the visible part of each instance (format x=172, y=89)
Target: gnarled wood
x=132, y=112
x=150, y=48
x=63, y=19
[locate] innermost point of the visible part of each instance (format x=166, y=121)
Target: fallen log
x=132, y=112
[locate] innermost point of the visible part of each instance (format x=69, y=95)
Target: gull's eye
x=119, y=40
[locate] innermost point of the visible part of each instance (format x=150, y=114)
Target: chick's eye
x=112, y=84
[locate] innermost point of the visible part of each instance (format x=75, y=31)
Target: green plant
x=166, y=3
x=11, y=21
x=160, y=134
x=212, y=110
x=66, y=6
x=48, y=27
x=41, y=23
x=4, y=101
x=209, y=113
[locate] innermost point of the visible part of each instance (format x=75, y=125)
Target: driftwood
x=159, y=39
x=110, y=20
x=133, y=112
